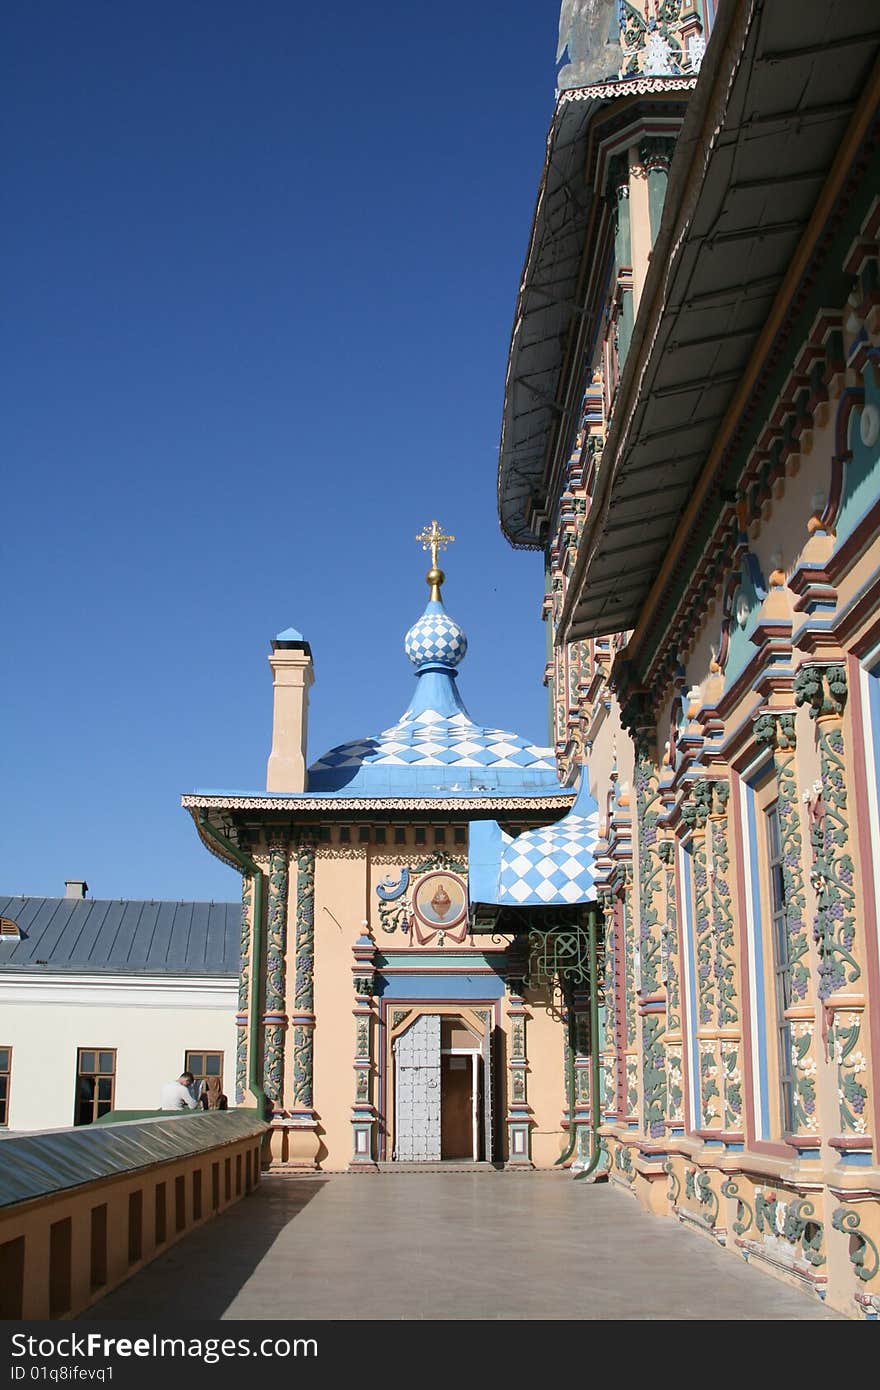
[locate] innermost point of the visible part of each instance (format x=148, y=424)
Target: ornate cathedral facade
x=692, y=436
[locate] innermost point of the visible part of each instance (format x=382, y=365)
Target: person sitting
x=176, y=1095
x=211, y=1094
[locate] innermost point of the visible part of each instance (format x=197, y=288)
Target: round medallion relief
x=439, y=900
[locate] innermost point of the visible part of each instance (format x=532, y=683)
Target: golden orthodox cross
x=433, y=539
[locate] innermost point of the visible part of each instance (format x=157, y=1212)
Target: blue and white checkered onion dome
x=435, y=640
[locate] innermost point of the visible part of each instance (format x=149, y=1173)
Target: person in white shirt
x=176, y=1095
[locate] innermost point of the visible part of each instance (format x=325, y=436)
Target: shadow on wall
x=201, y=1275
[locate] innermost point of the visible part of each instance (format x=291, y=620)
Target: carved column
x=303, y=1139
x=630, y=1033
x=695, y=814
x=241, y=1018
x=609, y=1010
x=777, y=731
x=725, y=963
x=519, y=1113
x=275, y=1016
x=650, y=985
x=824, y=690
x=670, y=970
x=363, y=1113
x=583, y=1101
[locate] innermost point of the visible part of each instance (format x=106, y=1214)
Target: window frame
x=6, y=1073
x=97, y=1075
x=203, y=1052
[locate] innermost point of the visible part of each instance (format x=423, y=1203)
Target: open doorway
x=441, y=1102
x=460, y=1063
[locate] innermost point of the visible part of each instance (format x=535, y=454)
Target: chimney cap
x=75, y=888
x=291, y=640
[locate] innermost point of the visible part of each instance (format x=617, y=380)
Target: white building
x=102, y=1001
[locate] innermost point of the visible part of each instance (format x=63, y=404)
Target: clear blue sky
x=260, y=265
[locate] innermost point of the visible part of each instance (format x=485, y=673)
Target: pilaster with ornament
x=777, y=731
x=609, y=1017
x=364, y=1117
x=670, y=971
x=303, y=1015
x=695, y=815
x=583, y=1100
x=823, y=688
x=620, y=880
x=651, y=988
x=519, y=1113
x=244, y=969
x=274, y=1015
x=631, y=1053
x=726, y=963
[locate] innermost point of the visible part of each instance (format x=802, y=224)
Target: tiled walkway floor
x=448, y=1245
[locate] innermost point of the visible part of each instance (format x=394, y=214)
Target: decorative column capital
x=822, y=688
x=637, y=717
x=697, y=809
x=775, y=730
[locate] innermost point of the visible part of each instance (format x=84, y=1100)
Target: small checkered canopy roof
x=551, y=866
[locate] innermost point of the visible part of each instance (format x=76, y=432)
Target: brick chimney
x=292, y=675
x=75, y=888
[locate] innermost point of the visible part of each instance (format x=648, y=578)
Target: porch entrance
x=442, y=1099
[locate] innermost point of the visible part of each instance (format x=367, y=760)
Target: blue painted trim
x=688, y=939
x=443, y=987
x=757, y=946
x=857, y=1158
x=485, y=846
x=874, y=713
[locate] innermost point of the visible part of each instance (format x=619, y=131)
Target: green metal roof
x=44, y=1164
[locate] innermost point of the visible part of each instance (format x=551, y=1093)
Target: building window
x=95, y=1083
x=202, y=1065
x=5, y=1080
x=781, y=962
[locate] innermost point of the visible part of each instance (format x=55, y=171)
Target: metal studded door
x=488, y=1088
x=417, y=1128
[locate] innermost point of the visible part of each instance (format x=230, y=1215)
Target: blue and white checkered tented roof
x=550, y=866
x=436, y=748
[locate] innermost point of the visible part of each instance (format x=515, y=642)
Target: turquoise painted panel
x=746, y=605
x=861, y=476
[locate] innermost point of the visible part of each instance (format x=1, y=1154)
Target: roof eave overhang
x=547, y=304
x=607, y=593
x=307, y=807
